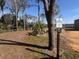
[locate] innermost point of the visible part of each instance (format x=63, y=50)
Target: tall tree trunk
x=38, y=10
x=50, y=35
x=2, y=12
x=16, y=12
x=16, y=22
x=24, y=24
x=3, y=18
x=49, y=12
x=51, y=32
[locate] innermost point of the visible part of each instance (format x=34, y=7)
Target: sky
x=69, y=9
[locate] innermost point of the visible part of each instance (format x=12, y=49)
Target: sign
x=18, y=18
x=59, y=23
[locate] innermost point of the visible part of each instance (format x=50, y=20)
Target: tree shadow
x=48, y=56
x=17, y=43
x=11, y=42
x=37, y=51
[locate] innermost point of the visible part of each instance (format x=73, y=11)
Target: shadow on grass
x=45, y=54
x=11, y=42
x=37, y=51
x=48, y=58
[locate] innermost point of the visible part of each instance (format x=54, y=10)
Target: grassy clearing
x=39, y=43
x=39, y=53
x=70, y=55
x=32, y=47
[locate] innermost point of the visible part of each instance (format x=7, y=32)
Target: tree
x=15, y=6
x=38, y=1
x=2, y=4
x=49, y=12
x=7, y=21
x=24, y=5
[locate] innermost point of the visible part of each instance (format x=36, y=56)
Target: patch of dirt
x=13, y=47
x=14, y=35
x=73, y=38
x=9, y=45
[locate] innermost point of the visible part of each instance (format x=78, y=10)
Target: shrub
x=37, y=28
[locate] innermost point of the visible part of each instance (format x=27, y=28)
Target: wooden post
x=58, y=43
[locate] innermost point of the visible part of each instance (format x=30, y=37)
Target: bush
x=37, y=28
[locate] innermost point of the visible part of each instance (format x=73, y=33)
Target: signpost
x=18, y=19
x=59, y=25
